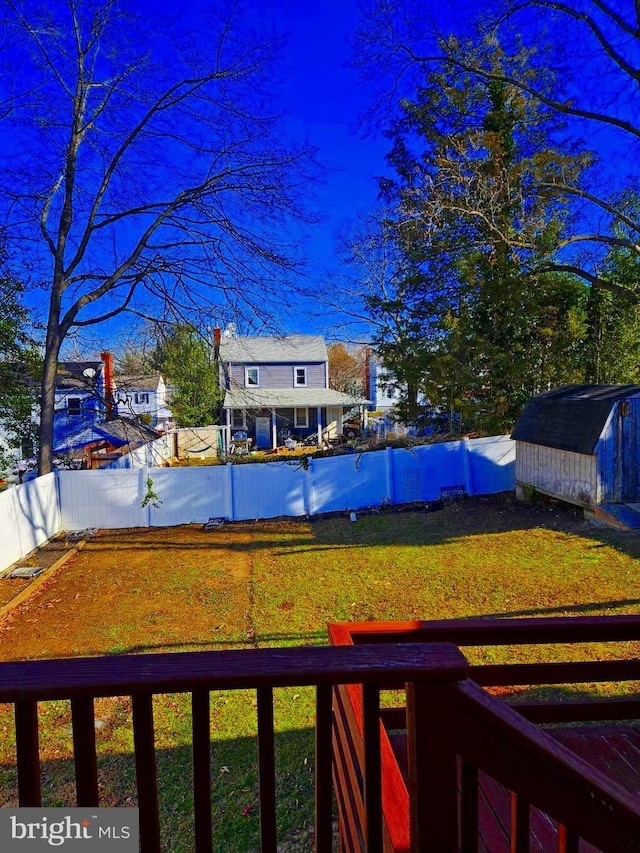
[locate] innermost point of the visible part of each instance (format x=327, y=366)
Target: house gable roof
x=284, y=349
x=138, y=383
x=571, y=417
x=70, y=375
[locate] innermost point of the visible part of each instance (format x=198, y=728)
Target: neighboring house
x=80, y=399
x=87, y=418
x=382, y=387
x=145, y=396
x=276, y=387
x=581, y=443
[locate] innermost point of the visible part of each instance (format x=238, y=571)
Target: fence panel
x=268, y=490
x=29, y=516
x=492, y=463
x=348, y=482
x=102, y=498
x=440, y=465
x=187, y=495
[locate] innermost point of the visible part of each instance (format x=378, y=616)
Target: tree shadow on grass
x=234, y=790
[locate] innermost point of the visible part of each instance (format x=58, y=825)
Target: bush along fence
x=149, y=496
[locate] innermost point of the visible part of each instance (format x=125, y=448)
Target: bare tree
x=577, y=60
x=143, y=161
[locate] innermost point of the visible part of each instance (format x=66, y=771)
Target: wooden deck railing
x=25, y=684
x=480, y=733
x=455, y=731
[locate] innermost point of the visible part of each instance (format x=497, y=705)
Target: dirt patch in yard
x=44, y=557
x=137, y=591
x=268, y=583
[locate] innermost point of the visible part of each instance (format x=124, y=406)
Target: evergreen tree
x=187, y=360
x=472, y=159
x=20, y=365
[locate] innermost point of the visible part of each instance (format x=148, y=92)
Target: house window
x=251, y=377
x=238, y=419
x=301, y=418
x=142, y=399
x=74, y=405
x=300, y=377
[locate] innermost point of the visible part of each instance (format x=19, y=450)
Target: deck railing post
x=431, y=749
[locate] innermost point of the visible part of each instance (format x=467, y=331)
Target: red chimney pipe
x=217, y=337
x=109, y=387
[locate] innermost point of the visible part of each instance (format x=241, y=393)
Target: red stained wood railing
x=84, y=747
x=495, y=738
x=141, y=676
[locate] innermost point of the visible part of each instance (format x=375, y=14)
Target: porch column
x=228, y=430
x=274, y=430
x=365, y=418
x=319, y=412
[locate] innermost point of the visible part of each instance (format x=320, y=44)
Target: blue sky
x=324, y=100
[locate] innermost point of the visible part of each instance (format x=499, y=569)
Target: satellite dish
x=89, y=372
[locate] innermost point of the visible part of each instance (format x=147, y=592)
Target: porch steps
x=623, y=516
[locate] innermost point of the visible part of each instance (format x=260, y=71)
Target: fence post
x=389, y=473
x=17, y=512
x=433, y=768
x=466, y=466
x=308, y=488
x=228, y=492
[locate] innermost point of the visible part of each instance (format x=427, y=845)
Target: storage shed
x=581, y=443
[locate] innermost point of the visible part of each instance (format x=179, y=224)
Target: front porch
x=459, y=769
x=268, y=416
x=268, y=428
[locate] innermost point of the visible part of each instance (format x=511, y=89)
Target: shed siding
x=572, y=477
x=279, y=376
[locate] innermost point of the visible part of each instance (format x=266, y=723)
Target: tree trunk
x=48, y=400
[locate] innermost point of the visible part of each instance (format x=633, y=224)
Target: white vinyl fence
x=74, y=500
x=29, y=516
x=113, y=498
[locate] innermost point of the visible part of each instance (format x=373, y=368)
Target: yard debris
x=213, y=524
x=82, y=534
x=25, y=572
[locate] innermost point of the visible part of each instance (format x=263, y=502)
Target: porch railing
x=479, y=732
x=25, y=684
x=452, y=724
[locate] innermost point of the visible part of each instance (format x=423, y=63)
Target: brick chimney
x=217, y=337
x=109, y=385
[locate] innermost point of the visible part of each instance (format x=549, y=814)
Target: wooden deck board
x=614, y=750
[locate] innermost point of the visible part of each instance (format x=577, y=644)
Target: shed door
x=627, y=450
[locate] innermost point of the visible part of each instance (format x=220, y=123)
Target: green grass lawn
x=278, y=584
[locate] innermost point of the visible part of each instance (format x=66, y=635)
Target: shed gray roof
x=571, y=417
x=288, y=398
x=285, y=349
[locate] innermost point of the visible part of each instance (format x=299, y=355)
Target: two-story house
x=80, y=399
x=277, y=387
x=144, y=397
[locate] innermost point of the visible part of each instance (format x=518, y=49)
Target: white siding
x=572, y=477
